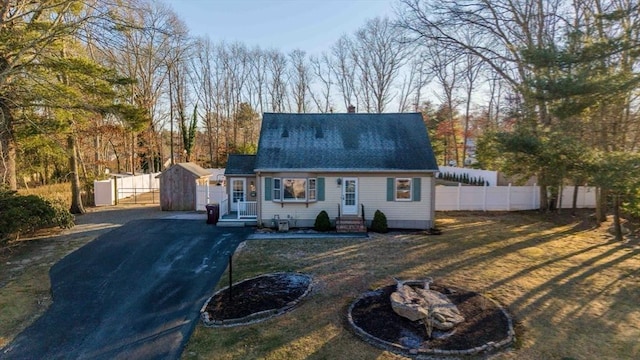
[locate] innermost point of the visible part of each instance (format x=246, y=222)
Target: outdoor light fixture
x=218, y=181
x=339, y=181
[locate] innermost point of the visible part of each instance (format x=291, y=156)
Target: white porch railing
x=247, y=209
x=224, y=208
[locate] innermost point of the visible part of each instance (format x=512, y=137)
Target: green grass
x=573, y=293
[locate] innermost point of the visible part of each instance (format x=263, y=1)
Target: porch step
x=353, y=224
x=236, y=223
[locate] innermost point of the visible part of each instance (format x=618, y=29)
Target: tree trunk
x=544, y=199
x=616, y=218
x=8, y=147
x=574, y=203
x=601, y=205
x=76, y=199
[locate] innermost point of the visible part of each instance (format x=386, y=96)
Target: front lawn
x=573, y=292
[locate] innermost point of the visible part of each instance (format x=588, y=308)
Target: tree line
x=530, y=87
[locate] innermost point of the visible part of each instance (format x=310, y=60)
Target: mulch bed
x=486, y=326
x=256, y=298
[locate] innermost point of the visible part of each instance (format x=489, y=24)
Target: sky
x=309, y=25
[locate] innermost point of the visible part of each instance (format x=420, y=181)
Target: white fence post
x=459, y=196
x=509, y=197
x=484, y=197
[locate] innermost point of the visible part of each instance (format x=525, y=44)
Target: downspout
x=433, y=200
x=258, y=200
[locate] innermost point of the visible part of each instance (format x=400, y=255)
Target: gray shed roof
x=343, y=142
x=195, y=169
x=240, y=165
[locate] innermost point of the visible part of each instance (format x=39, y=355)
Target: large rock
x=425, y=304
x=407, y=303
x=444, y=314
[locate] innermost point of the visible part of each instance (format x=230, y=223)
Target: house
x=349, y=165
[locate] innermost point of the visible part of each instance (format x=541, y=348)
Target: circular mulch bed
x=487, y=327
x=255, y=299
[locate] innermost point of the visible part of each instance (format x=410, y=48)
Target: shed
x=179, y=184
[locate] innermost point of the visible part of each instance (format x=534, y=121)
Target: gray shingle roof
x=240, y=164
x=195, y=169
x=339, y=142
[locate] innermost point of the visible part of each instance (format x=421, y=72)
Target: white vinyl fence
x=505, y=198
x=208, y=194
x=107, y=192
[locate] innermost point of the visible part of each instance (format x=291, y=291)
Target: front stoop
x=236, y=223
x=350, y=224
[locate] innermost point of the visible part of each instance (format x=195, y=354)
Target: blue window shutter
x=390, y=189
x=320, y=184
x=268, y=188
x=416, y=189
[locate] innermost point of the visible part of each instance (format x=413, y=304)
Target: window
x=403, y=189
x=276, y=189
x=312, y=190
x=295, y=189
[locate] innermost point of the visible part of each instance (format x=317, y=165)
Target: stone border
x=429, y=353
x=255, y=317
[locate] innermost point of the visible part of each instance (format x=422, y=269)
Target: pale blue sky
x=309, y=25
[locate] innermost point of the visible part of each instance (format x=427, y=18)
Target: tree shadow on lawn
x=467, y=247
x=577, y=321
x=461, y=257
x=567, y=287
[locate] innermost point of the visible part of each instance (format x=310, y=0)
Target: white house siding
x=372, y=193
x=400, y=214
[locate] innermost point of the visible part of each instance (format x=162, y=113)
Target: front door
x=238, y=192
x=350, y=196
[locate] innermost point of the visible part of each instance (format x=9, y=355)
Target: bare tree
x=258, y=76
x=300, y=78
x=447, y=69
x=277, y=89
x=472, y=68
x=321, y=94
x=415, y=79
x=379, y=52
x=204, y=72
x=144, y=51
x=344, y=70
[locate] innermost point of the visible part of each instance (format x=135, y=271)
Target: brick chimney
x=351, y=109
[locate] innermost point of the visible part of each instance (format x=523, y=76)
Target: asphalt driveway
x=133, y=293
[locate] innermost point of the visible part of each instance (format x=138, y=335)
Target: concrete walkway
x=133, y=293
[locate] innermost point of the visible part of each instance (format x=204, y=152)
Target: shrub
x=323, y=223
x=379, y=222
x=26, y=213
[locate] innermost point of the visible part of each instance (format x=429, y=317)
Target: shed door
x=238, y=193
x=350, y=196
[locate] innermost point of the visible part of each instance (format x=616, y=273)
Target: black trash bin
x=213, y=212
